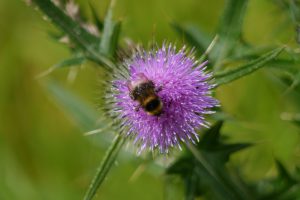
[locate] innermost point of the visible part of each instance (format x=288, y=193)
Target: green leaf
x=211, y=144
x=77, y=60
x=191, y=184
x=291, y=117
x=295, y=82
x=73, y=61
x=106, y=163
x=56, y=36
x=83, y=39
x=230, y=29
x=295, y=13
x=283, y=173
x=204, y=168
x=78, y=34
x=212, y=135
x=191, y=34
x=285, y=65
x=247, y=52
x=111, y=31
x=96, y=19
x=234, y=74
x=182, y=165
x=294, y=8
x=232, y=19
x=286, y=72
x=281, y=187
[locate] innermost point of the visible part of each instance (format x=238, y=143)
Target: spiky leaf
x=248, y=68
x=203, y=168
x=83, y=39
x=230, y=29
x=109, y=40
x=193, y=35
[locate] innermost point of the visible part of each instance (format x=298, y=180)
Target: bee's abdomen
x=153, y=105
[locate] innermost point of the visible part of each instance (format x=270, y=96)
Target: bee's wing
x=142, y=77
x=139, y=78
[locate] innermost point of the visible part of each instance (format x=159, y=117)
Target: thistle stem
x=106, y=163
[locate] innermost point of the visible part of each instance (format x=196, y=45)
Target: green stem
x=106, y=163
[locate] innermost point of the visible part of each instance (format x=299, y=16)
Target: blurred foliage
x=204, y=173
x=203, y=168
x=42, y=158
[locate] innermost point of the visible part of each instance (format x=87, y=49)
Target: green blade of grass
x=234, y=74
x=83, y=39
x=106, y=163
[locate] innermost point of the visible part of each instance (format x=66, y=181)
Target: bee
x=143, y=91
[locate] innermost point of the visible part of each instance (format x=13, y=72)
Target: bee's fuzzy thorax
x=177, y=101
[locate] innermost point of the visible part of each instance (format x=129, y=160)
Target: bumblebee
x=143, y=91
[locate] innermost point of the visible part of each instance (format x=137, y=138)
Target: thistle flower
x=161, y=97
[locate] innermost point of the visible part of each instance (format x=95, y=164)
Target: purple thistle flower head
x=163, y=98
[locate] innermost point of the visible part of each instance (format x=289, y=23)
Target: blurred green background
x=43, y=153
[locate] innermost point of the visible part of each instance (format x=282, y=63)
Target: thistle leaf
x=284, y=186
x=77, y=60
x=83, y=39
x=192, y=35
x=212, y=135
x=287, y=73
x=294, y=9
x=230, y=29
x=111, y=31
x=73, y=61
x=204, y=168
x=250, y=67
x=181, y=166
x=78, y=34
x=283, y=173
x=232, y=18
x=96, y=19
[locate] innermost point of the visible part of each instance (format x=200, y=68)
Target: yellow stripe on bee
x=158, y=109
